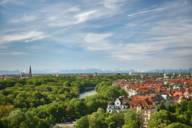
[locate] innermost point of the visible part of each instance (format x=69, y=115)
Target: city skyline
x=95, y=34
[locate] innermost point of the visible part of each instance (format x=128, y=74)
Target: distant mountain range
x=15, y=72
x=189, y=70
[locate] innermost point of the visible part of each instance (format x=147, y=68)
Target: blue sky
x=55, y=35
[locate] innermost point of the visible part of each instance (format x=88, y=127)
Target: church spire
x=30, y=71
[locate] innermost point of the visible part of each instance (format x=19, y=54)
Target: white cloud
x=167, y=28
x=71, y=17
x=168, y=39
x=149, y=37
x=76, y=18
x=160, y=35
x=123, y=51
x=110, y=3
x=147, y=11
x=97, y=41
x=27, y=36
x=113, y=4
x=61, y=15
x=120, y=51
x=96, y=37
x=3, y=2
x=82, y=17
x=25, y=18
x=167, y=8
x=135, y=51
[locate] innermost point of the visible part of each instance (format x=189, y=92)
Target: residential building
x=119, y=104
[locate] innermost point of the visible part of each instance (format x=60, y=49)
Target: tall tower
x=30, y=71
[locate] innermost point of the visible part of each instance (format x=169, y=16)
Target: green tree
x=131, y=119
x=78, y=106
x=18, y=119
x=115, y=120
x=94, y=102
x=160, y=119
x=178, y=125
x=97, y=119
x=83, y=122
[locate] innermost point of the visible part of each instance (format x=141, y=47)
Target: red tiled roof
x=143, y=101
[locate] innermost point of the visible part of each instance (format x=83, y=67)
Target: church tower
x=30, y=72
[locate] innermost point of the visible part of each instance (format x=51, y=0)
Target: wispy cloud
x=3, y=2
x=167, y=39
x=147, y=11
x=27, y=36
x=113, y=4
x=82, y=17
x=120, y=31
x=97, y=41
x=63, y=14
x=166, y=8
x=70, y=20
x=23, y=19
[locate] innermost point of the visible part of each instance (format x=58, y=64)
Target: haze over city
x=95, y=34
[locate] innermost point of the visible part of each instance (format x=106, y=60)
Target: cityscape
x=127, y=100
x=95, y=64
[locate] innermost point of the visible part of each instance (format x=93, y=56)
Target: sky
x=55, y=35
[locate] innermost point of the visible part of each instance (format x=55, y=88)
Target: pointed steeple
x=30, y=71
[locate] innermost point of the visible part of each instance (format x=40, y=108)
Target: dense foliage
x=42, y=101
x=173, y=116
x=101, y=119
